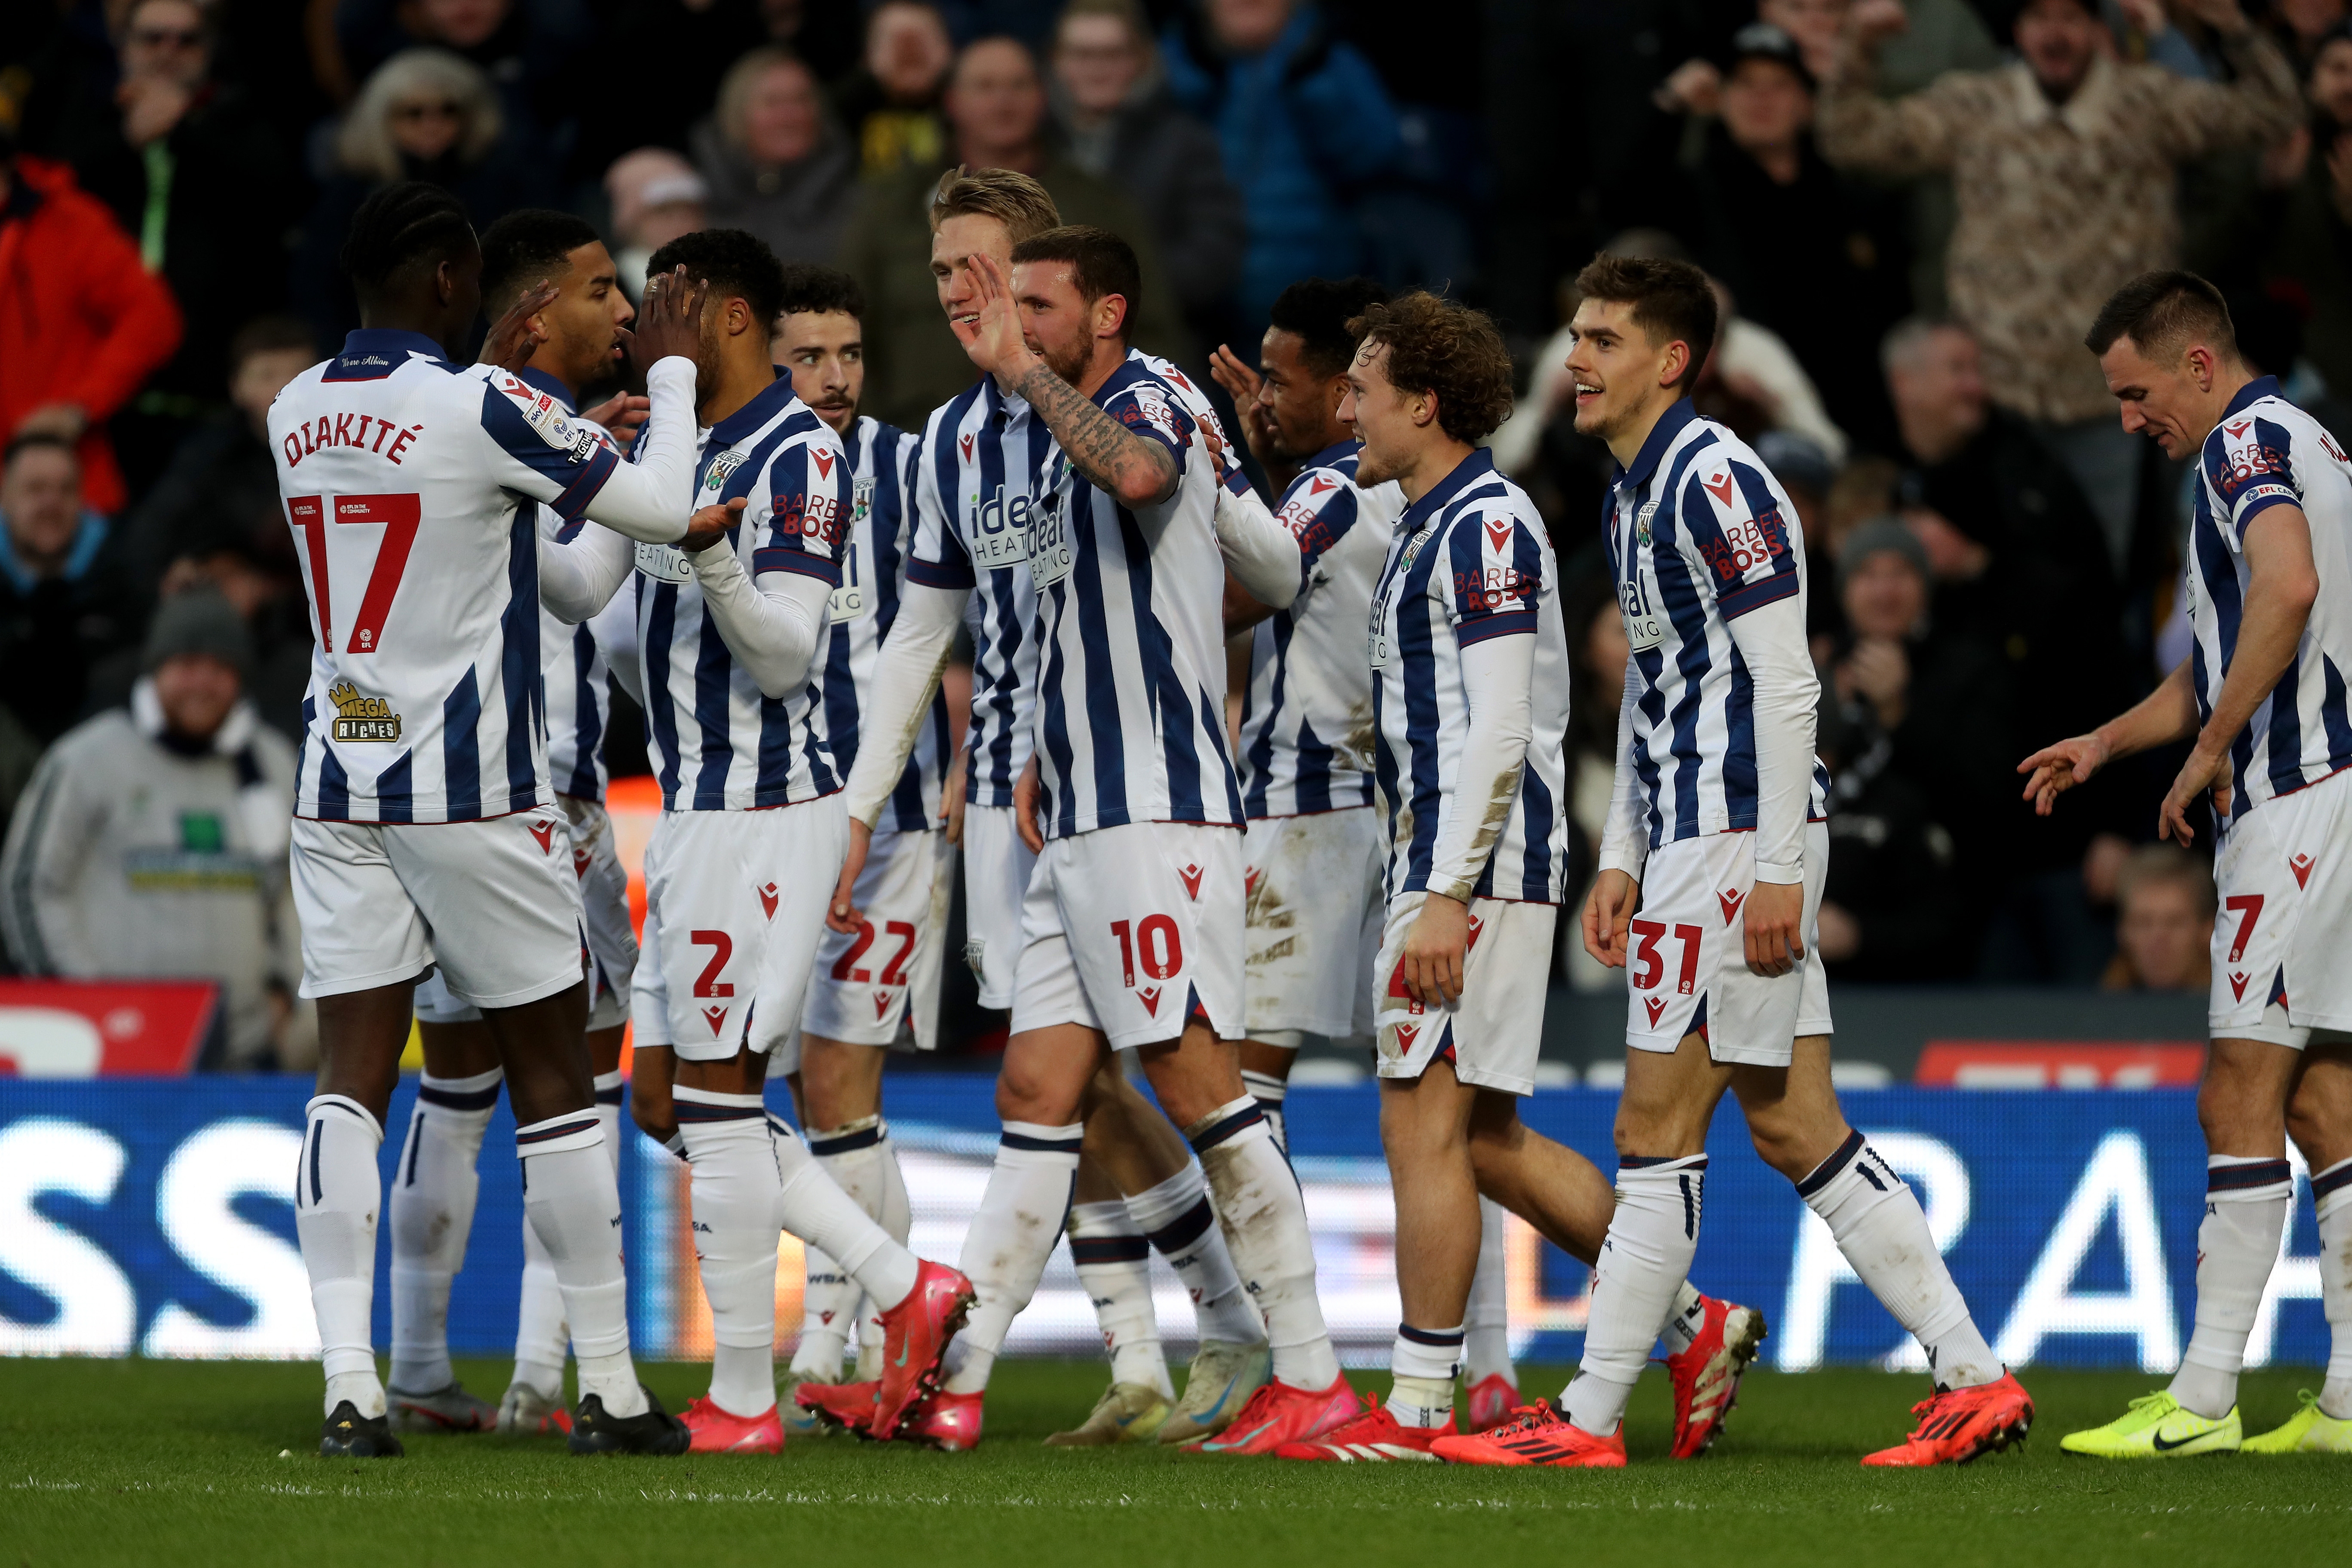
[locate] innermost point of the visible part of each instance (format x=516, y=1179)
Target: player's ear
x=1111, y=315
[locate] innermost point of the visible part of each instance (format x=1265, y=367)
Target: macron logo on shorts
x=1150, y=994
x=1730, y=902
x=768, y=900
x=1656, y=1005
x=545, y=833
x=715, y=1018
x=2301, y=865
x=1191, y=876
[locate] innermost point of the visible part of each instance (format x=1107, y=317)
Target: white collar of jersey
x=767, y=404
x=1479, y=465
x=1661, y=435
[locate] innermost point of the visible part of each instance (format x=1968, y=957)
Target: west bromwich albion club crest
x=722, y=468
x=1642, y=521
x=861, y=501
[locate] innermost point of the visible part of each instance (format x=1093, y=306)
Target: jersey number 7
x=399, y=515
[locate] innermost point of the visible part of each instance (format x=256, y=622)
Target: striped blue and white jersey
x=1130, y=631
x=1307, y=736
x=1466, y=562
x=2266, y=452
x=718, y=743
x=975, y=484
x=1699, y=534
x=407, y=481
x=882, y=466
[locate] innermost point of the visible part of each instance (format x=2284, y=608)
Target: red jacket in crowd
x=81, y=320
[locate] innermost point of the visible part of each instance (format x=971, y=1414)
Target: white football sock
x=1114, y=1264
x=1177, y=1216
x=1423, y=1366
x=432, y=1193
x=1877, y=1222
x=734, y=1192
x=1009, y=1238
x=2246, y=1205
x=829, y=1300
x=1269, y=1091
x=1685, y=1321
x=337, y=1195
x=541, y=1333
x=1264, y=1219
x=1487, y=1322
x=1652, y=1238
x=573, y=1201
x=2331, y=1192
x=813, y=1208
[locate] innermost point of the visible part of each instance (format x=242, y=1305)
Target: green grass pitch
x=179, y=1463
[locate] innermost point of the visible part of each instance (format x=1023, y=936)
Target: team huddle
x=780, y=581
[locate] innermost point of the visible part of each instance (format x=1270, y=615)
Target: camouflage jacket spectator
x=2058, y=204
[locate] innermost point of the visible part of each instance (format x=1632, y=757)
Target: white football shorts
x=1315, y=912
x=1686, y=955
x=1129, y=930
x=492, y=903
x=735, y=906
x=865, y=986
x=2284, y=930
x=997, y=868
x=1494, y=1031
x=604, y=916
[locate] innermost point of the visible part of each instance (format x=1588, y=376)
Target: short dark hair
x=1673, y=301
x=818, y=291
x=1442, y=346
x=1317, y=311
x=525, y=249
x=271, y=334
x=740, y=266
x=29, y=440
x=2164, y=314
x=403, y=229
x=1100, y=264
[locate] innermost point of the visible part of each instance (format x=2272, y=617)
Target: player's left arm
x=1492, y=594
x=1745, y=540
x=774, y=623
x=1141, y=466
x=2282, y=584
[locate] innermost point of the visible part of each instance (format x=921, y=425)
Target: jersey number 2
x=400, y=516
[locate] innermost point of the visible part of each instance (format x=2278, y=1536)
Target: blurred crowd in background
x=1913, y=208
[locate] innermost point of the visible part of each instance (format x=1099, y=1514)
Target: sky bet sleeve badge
x=362, y=718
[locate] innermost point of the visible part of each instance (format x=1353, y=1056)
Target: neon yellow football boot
x=2157, y=1428
x=2309, y=1430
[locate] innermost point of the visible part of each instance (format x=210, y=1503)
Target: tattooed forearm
x=1141, y=472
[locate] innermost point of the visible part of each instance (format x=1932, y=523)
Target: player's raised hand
x=1025, y=791
x=843, y=913
x=2207, y=772
x=670, y=321
x=1243, y=384
x=992, y=336
x=1608, y=912
x=1435, y=950
x=2055, y=770
x=1775, y=927
x=512, y=338
x=711, y=524
x=623, y=415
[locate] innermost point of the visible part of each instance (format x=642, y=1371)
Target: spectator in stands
x=192, y=170
x=1304, y=120
x=216, y=519
x=426, y=114
x=2065, y=166
x=773, y=161
x=82, y=323
x=996, y=111
x=2305, y=227
x=527, y=49
x=891, y=104
x=1120, y=123
x=1937, y=701
x=64, y=602
x=2302, y=27
x=2164, y=933
x=153, y=840
x=1813, y=257
x=655, y=197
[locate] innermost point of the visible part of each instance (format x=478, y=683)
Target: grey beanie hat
x=199, y=621
x=1881, y=534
